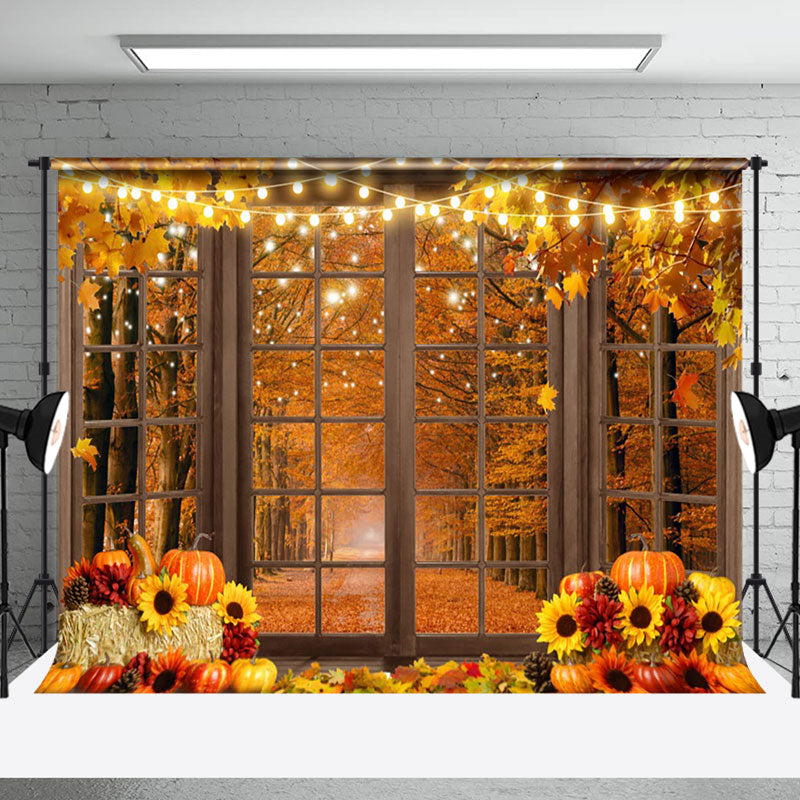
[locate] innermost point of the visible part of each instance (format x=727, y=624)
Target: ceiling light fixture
x=391, y=53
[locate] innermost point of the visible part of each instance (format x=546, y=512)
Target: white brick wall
x=424, y=120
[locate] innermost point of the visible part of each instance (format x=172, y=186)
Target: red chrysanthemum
x=596, y=617
x=679, y=626
x=141, y=662
x=109, y=585
x=238, y=641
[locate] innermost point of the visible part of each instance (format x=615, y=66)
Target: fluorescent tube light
x=369, y=54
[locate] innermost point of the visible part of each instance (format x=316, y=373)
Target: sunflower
x=612, y=673
x=163, y=602
x=641, y=615
x=235, y=603
x=558, y=626
x=168, y=670
x=717, y=615
x=695, y=672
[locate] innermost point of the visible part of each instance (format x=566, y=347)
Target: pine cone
x=546, y=688
x=109, y=585
x=536, y=667
x=126, y=683
x=238, y=641
x=607, y=587
x=687, y=591
x=76, y=594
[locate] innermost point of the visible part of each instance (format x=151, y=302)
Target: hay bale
x=93, y=633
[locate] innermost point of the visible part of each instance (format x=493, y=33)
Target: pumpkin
x=737, y=679
x=144, y=564
x=657, y=678
x=707, y=584
x=662, y=571
x=207, y=677
x=60, y=678
x=98, y=678
x=571, y=678
x=582, y=583
x=253, y=676
x=106, y=558
x=200, y=570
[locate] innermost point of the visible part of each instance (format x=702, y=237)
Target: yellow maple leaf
x=87, y=295
x=546, y=396
x=733, y=359
x=555, y=296
x=576, y=283
x=87, y=451
x=726, y=334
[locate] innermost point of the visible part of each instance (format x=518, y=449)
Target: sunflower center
x=566, y=626
x=618, y=680
x=695, y=679
x=641, y=617
x=712, y=622
x=234, y=610
x=165, y=681
x=163, y=602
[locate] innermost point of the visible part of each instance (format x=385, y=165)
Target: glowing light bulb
x=122, y=192
x=363, y=192
x=313, y=220
x=228, y=196
x=191, y=196
x=437, y=161
x=87, y=187
x=645, y=213
x=558, y=165
x=136, y=193
x=539, y=196
x=541, y=221
x=505, y=186
x=714, y=215
x=434, y=210
x=522, y=180
x=172, y=203
x=156, y=195
x=574, y=220
x=245, y=216
x=470, y=173
x=331, y=179
x=387, y=214
x=208, y=212
x=292, y=163
x=455, y=201
x=502, y=219
x=453, y=298
x=713, y=198
x=679, y=216
x=573, y=204
x=297, y=187
x=333, y=296
x=608, y=213
x=280, y=219
x=468, y=216
x=400, y=202
x=400, y=161
x=488, y=192
x=103, y=182
x=679, y=205
x=349, y=217
x=419, y=209
x=262, y=193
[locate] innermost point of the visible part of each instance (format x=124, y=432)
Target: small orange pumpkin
x=737, y=679
x=657, y=678
x=571, y=679
x=253, y=676
x=106, y=558
x=662, y=571
x=207, y=677
x=582, y=583
x=200, y=570
x=98, y=678
x=61, y=678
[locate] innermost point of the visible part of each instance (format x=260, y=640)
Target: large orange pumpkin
x=657, y=678
x=200, y=570
x=60, y=678
x=662, y=571
x=571, y=678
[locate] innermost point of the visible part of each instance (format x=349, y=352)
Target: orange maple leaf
x=87, y=451
x=576, y=283
x=509, y=263
x=546, y=396
x=555, y=296
x=87, y=295
x=682, y=394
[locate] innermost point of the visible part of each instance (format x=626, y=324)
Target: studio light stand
x=756, y=580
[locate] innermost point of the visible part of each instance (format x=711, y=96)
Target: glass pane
x=513, y=381
x=352, y=455
x=446, y=310
x=116, y=319
x=352, y=383
x=283, y=456
x=516, y=311
x=446, y=600
x=516, y=455
x=352, y=247
x=171, y=310
x=283, y=383
x=170, y=523
x=117, y=461
x=694, y=376
x=447, y=456
x=513, y=599
x=628, y=524
x=352, y=600
x=352, y=311
x=283, y=528
x=283, y=311
x=282, y=248
x=498, y=249
x=629, y=457
x=352, y=528
x=110, y=386
x=516, y=528
x=171, y=453
x=105, y=526
x=447, y=383
x=181, y=256
x=446, y=243
x=629, y=385
x=627, y=319
x=690, y=460
x=690, y=530
x=446, y=528
x=172, y=384
x=285, y=599
x=692, y=326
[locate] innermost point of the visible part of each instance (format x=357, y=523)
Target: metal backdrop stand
x=44, y=581
x=756, y=579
